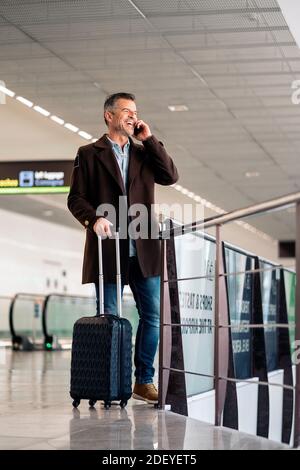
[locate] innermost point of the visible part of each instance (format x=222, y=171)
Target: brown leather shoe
x=145, y=392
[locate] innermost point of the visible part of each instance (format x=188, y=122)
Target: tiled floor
x=36, y=413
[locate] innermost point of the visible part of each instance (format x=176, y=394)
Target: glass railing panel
x=270, y=278
x=63, y=311
x=4, y=318
x=290, y=295
x=27, y=316
x=240, y=299
x=195, y=258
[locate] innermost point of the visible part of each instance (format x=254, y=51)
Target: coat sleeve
x=165, y=172
x=78, y=203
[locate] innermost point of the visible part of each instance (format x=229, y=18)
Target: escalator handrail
x=12, y=305
x=47, y=334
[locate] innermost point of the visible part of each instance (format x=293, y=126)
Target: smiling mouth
x=131, y=126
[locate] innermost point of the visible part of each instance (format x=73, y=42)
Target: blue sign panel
x=240, y=289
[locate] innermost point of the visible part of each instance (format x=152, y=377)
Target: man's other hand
x=143, y=130
x=102, y=227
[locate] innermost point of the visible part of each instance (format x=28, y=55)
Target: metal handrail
x=264, y=207
x=11, y=309
x=218, y=221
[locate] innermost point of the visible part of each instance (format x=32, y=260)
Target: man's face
x=123, y=117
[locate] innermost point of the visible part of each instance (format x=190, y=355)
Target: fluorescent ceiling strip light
x=42, y=111
x=25, y=101
x=252, y=174
x=177, y=108
x=85, y=135
x=220, y=211
x=57, y=120
x=71, y=127
x=6, y=91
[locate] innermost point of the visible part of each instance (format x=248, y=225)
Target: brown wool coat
x=97, y=180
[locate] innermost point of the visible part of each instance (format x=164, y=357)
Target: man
x=112, y=168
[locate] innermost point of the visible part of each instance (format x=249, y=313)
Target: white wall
x=32, y=251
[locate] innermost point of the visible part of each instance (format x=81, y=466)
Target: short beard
x=124, y=132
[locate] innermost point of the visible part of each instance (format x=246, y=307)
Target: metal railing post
x=218, y=412
x=161, y=382
x=297, y=328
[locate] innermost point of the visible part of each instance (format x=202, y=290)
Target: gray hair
x=111, y=101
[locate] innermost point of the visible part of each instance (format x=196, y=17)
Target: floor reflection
x=34, y=391
x=102, y=429
x=132, y=428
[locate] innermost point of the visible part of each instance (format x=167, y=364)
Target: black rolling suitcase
x=101, y=365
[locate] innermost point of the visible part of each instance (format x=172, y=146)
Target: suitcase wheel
x=76, y=403
x=107, y=405
x=92, y=403
x=123, y=404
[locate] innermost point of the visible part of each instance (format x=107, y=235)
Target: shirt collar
x=115, y=144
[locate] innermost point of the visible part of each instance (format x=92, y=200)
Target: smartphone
x=137, y=130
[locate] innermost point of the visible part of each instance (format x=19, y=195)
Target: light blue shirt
x=122, y=156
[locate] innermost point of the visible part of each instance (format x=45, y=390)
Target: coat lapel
x=135, y=162
x=109, y=160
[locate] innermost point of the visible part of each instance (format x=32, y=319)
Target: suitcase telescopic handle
x=118, y=276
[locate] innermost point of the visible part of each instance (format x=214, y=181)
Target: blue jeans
x=146, y=293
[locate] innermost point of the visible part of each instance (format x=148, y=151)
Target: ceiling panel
x=231, y=4
x=12, y=35
x=49, y=11
x=232, y=54
x=82, y=30
x=215, y=22
x=231, y=62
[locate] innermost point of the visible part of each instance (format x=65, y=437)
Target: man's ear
x=108, y=116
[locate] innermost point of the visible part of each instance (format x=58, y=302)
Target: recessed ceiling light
x=252, y=174
x=178, y=108
x=6, y=91
x=57, y=120
x=42, y=111
x=85, y=135
x=25, y=101
x=71, y=127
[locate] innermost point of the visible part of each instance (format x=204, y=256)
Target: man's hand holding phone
x=102, y=227
x=142, y=131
